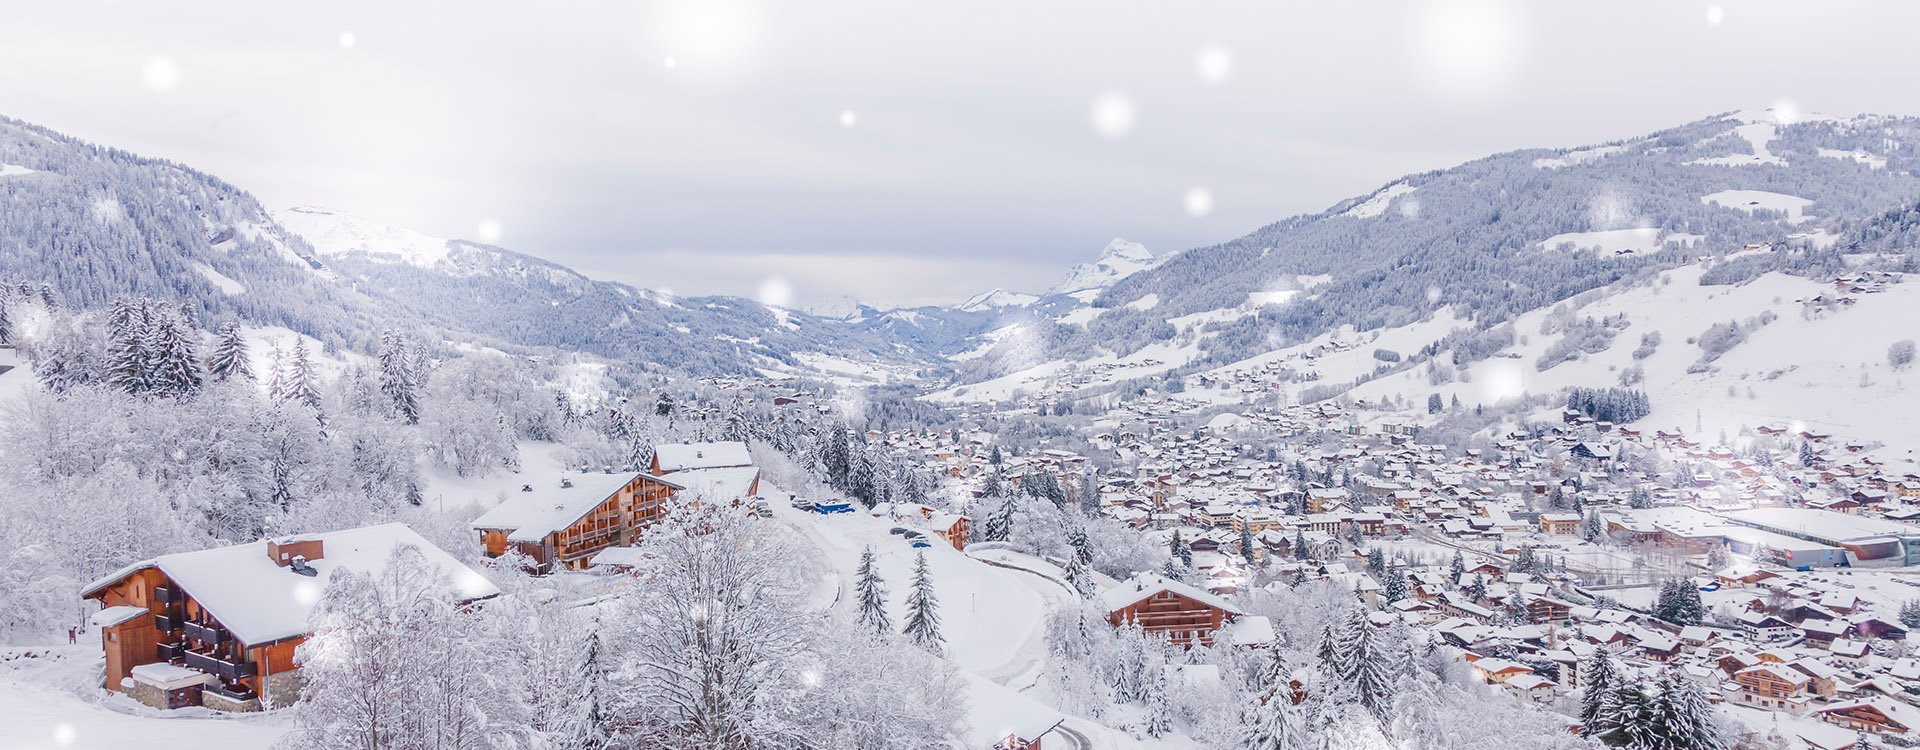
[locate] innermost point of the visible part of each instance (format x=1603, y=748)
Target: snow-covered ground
x=1757, y=135
x=1827, y=370
x=12, y=170
x=334, y=233
x=1760, y=200
x=1609, y=241
x=225, y=283
x=51, y=701
x=1862, y=157
x=1377, y=203
x=1577, y=157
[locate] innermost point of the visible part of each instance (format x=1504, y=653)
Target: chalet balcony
x=205, y=634
x=214, y=665
x=166, y=595
x=166, y=623
x=170, y=651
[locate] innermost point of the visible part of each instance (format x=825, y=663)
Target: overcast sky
x=899, y=152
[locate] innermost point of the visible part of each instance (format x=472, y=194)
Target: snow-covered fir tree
x=229, y=359
x=923, y=609
x=870, y=596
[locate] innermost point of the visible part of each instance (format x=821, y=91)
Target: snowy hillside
x=1490, y=239
x=333, y=234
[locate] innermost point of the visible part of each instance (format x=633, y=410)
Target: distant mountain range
x=1484, y=241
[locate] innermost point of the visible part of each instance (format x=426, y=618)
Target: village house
x=563, y=523
x=218, y=627
x=1184, y=614
x=718, y=472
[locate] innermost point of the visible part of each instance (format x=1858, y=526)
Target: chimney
x=607, y=469
x=526, y=488
x=566, y=483
x=284, y=551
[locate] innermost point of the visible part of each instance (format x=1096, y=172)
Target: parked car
x=921, y=543
x=897, y=530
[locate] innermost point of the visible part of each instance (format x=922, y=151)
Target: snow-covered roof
x=1822, y=524
x=728, y=483
x=169, y=677
x=1145, y=585
x=684, y=456
x=1251, y=630
x=619, y=557
x=544, y=507
x=260, y=601
x=112, y=616
x=998, y=712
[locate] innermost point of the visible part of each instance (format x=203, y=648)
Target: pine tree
x=301, y=381
x=127, y=339
x=277, y=374
x=1159, y=717
x=1598, y=677
x=590, y=728
x=1477, y=590
x=999, y=523
x=1271, y=722
x=923, y=609
x=1079, y=577
x=1592, y=528
x=870, y=591
x=1300, y=551
x=1395, y=588
x=1681, y=715
x=1357, y=655
x=1621, y=719
x=1679, y=603
x=229, y=358
x=1246, y=544
x=6, y=322
x=173, y=359
x=399, y=382
x=1377, y=564
x=1456, y=568
x=1910, y=614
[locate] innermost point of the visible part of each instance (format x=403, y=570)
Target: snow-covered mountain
x=334, y=235
x=1485, y=241
x=994, y=299
x=1119, y=260
x=98, y=223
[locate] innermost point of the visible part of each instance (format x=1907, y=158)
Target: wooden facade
x=1182, y=619
x=177, y=630
x=1865, y=717
x=616, y=521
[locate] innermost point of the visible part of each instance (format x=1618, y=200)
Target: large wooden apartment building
x=564, y=522
x=218, y=627
x=1184, y=614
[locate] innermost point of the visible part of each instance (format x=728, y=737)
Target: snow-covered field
x=1760, y=200
x=1609, y=241
x=1827, y=370
x=51, y=702
x=1377, y=204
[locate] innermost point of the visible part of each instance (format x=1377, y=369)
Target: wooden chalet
x=562, y=523
x=1184, y=614
x=1772, y=686
x=720, y=472
x=218, y=627
x=1876, y=715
